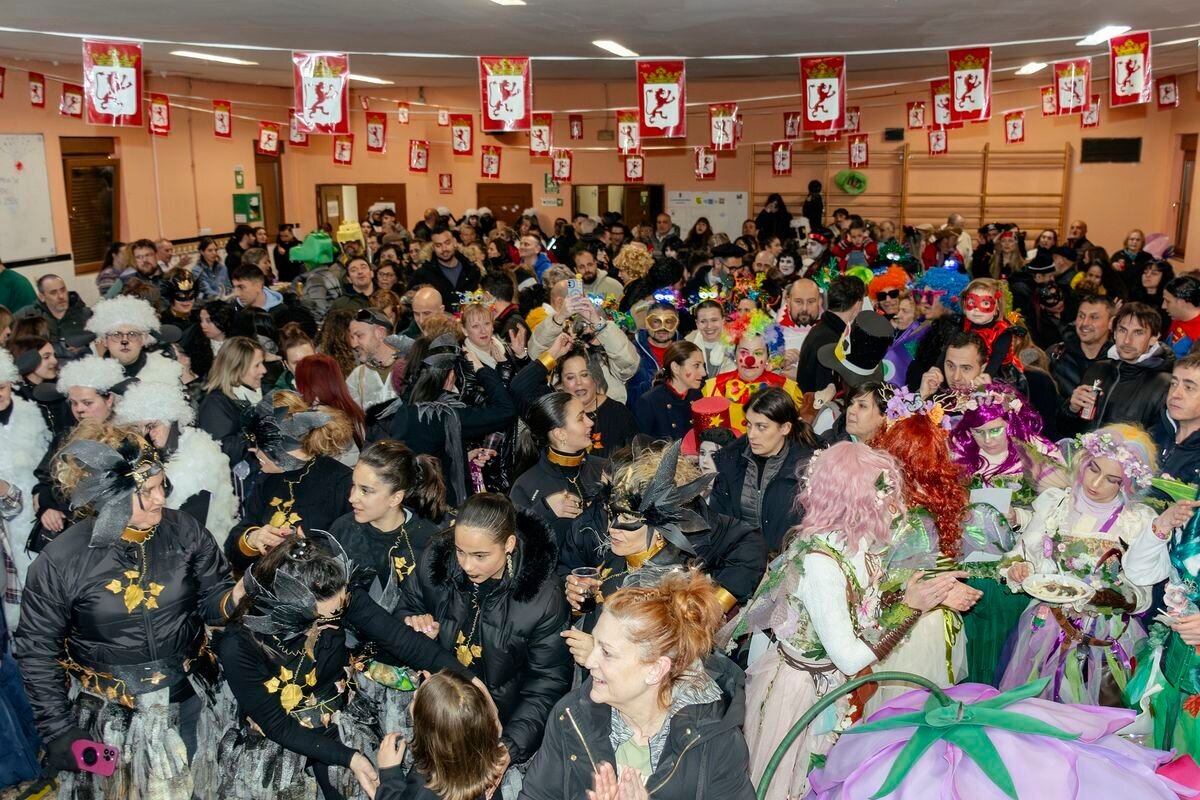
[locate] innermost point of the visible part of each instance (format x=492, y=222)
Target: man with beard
x=370, y=381
x=595, y=281
x=800, y=311
x=448, y=271
x=144, y=269
x=843, y=302
x=662, y=328
x=123, y=327
x=63, y=310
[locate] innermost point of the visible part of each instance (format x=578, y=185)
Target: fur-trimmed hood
x=533, y=561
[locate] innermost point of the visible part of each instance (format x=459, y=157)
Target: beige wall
x=180, y=185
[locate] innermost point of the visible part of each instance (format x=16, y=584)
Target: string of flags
x=112, y=94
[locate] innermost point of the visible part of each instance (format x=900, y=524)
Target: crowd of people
x=476, y=510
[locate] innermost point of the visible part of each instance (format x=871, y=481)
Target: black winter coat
x=705, y=757
x=1068, y=362
x=1134, y=393
x=544, y=478
x=776, y=499
x=1181, y=461
x=525, y=661
x=431, y=274
x=223, y=418
x=68, y=605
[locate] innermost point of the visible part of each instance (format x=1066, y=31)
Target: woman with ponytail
x=665, y=412
x=557, y=474
x=660, y=714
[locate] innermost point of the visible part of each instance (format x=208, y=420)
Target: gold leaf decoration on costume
x=467, y=653
x=291, y=696
x=134, y=596
x=403, y=568
x=114, y=586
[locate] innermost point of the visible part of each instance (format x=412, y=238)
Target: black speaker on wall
x=893, y=134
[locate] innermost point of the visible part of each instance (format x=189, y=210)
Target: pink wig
x=846, y=489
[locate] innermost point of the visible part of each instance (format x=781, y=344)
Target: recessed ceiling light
x=210, y=57
x=1032, y=67
x=354, y=76
x=614, y=48
x=1103, y=35
x=509, y=2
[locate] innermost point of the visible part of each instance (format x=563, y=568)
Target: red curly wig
x=933, y=481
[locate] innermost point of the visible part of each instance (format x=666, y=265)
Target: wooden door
x=329, y=205
x=1183, y=203
x=269, y=172
x=387, y=193
x=506, y=200
x=93, y=199
x=643, y=203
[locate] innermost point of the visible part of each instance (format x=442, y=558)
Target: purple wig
x=991, y=402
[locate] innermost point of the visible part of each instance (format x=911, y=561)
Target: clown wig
x=950, y=281
x=756, y=323
x=891, y=278
x=846, y=489
x=999, y=401
x=934, y=481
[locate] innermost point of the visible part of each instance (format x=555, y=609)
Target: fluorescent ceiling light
x=1032, y=67
x=1103, y=35
x=369, y=79
x=210, y=57
x=614, y=48
x=509, y=2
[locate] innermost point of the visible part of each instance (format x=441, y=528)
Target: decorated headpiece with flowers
x=1127, y=445
x=756, y=323
x=746, y=287
x=901, y=403
x=610, y=307
x=999, y=401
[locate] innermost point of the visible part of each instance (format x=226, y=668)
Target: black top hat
x=1040, y=264
x=858, y=357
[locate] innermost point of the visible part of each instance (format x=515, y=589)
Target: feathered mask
x=661, y=506
x=275, y=431
x=113, y=475
x=289, y=608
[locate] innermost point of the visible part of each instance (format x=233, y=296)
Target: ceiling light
x=1103, y=35
x=1032, y=67
x=614, y=48
x=369, y=79
x=509, y=2
x=210, y=57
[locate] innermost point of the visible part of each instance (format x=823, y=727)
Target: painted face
x=813, y=248
x=125, y=344
x=992, y=437
x=691, y=373
x=708, y=453
x=980, y=308
x=481, y=558
x=751, y=357
x=786, y=265
x=1101, y=480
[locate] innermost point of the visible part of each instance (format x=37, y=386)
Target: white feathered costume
x=129, y=313
x=197, y=465
x=23, y=442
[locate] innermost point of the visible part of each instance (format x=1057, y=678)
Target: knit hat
x=123, y=311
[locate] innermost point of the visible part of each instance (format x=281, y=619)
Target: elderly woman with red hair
x=936, y=501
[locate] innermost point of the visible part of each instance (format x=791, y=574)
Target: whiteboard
x=26, y=227
x=726, y=211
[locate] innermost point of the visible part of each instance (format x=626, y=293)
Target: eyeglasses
x=662, y=322
x=888, y=294
x=124, y=336
x=981, y=302
x=927, y=296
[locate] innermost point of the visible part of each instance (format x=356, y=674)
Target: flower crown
x=977, y=399
x=903, y=403
x=1103, y=445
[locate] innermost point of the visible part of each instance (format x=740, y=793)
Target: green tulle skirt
x=988, y=626
x=1166, y=685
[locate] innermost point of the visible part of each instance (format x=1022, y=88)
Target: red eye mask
x=980, y=302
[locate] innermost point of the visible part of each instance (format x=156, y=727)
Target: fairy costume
x=1085, y=647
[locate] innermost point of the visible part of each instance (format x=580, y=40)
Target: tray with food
x=1057, y=589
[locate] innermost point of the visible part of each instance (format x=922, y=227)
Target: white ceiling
x=567, y=28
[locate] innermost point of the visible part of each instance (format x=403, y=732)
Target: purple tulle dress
x=1099, y=764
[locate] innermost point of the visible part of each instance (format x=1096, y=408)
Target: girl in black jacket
x=676, y=731
x=285, y=657
x=487, y=589
x=756, y=474
x=457, y=754
x=398, y=502
x=665, y=412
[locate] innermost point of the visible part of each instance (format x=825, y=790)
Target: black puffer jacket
x=525, y=661
x=1068, y=362
x=1133, y=393
x=1179, y=460
x=775, y=499
x=705, y=757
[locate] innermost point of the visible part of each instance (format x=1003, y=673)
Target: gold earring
x=508, y=560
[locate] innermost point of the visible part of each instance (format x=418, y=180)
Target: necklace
x=464, y=649
x=134, y=593
x=284, y=516
x=403, y=566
